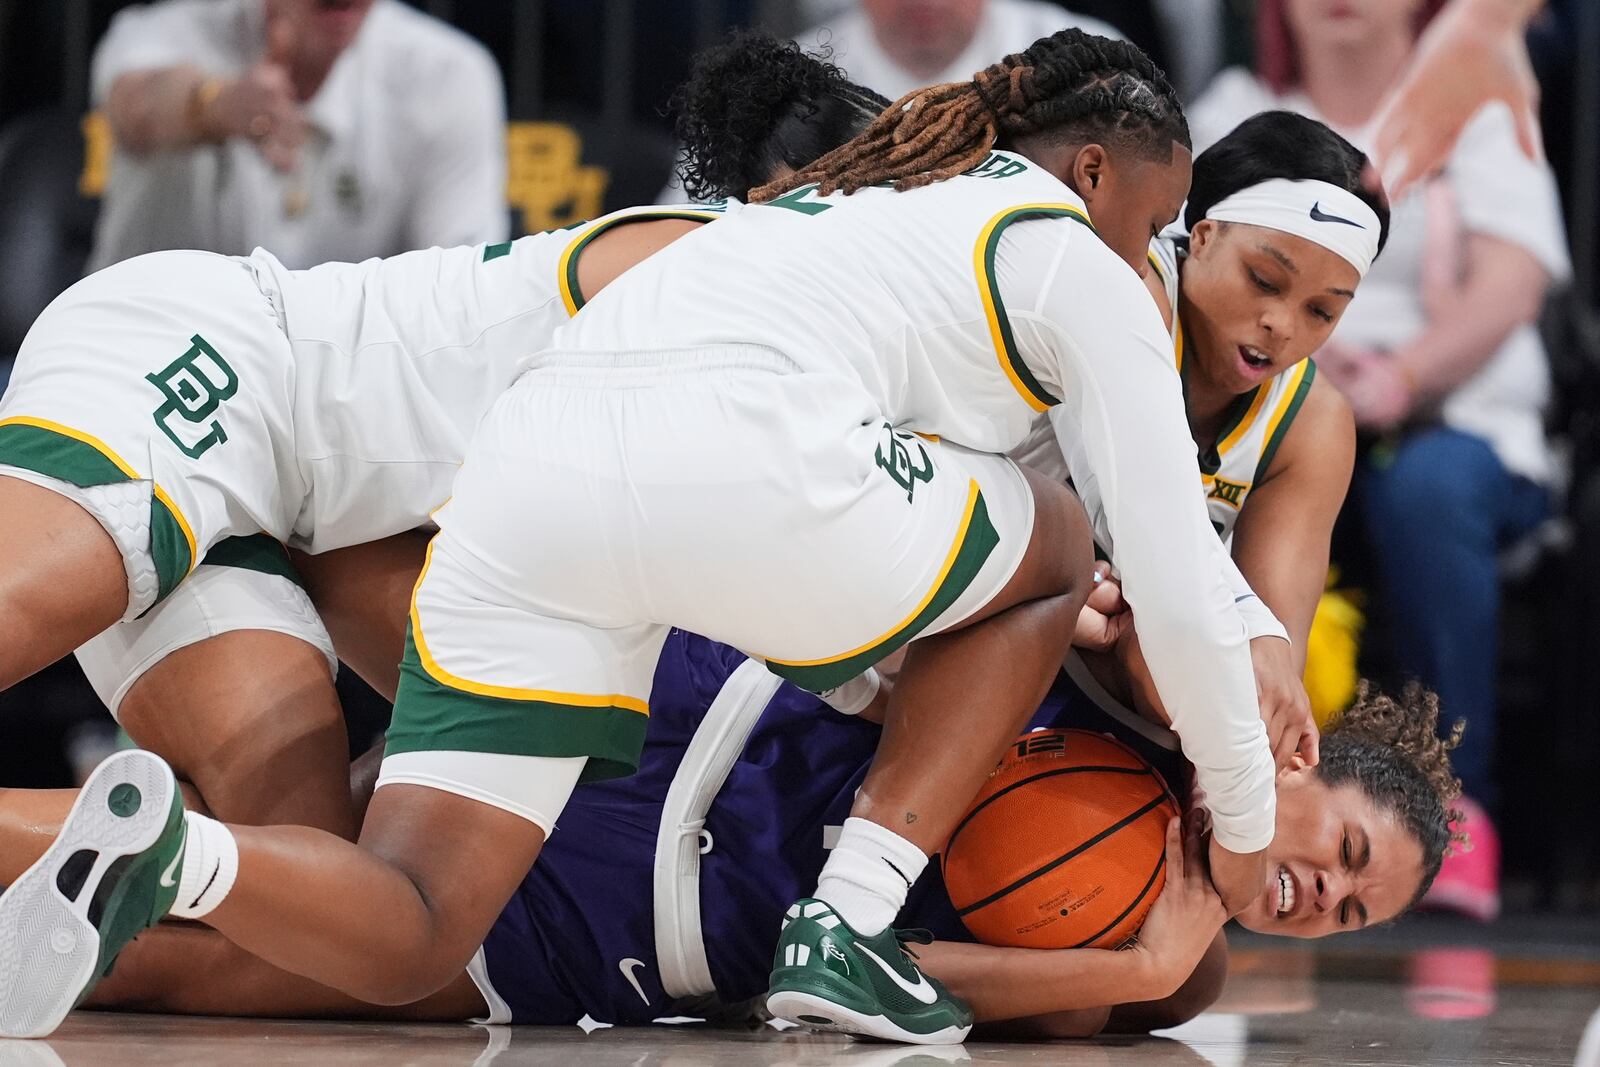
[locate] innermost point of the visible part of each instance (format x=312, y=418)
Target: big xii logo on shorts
x=194, y=385
x=905, y=467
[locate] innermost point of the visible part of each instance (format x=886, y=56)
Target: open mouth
x=1254, y=357
x=1285, y=886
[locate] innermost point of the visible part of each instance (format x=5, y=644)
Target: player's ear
x=1091, y=167
x=1203, y=237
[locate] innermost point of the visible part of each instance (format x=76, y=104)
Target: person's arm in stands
x=161, y=109
x=1472, y=53
x=1503, y=289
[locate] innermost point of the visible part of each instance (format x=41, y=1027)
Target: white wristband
x=1258, y=619
x=853, y=696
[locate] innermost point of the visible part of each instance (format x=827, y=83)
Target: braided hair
x=753, y=104
x=1072, y=86
x=1391, y=749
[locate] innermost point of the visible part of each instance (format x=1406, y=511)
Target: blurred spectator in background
x=1440, y=361
x=318, y=129
x=895, y=46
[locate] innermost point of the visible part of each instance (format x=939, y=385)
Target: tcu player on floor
x=663, y=893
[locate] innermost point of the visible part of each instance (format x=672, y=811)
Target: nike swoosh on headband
x=1318, y=215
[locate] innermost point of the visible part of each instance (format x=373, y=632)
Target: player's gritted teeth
x=1283, y=893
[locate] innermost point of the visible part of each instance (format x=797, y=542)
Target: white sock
x=868, y=875
x=210, y=864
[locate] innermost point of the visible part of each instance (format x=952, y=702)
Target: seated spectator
x=1440, y=360
x=318, y=129
x=895, y=46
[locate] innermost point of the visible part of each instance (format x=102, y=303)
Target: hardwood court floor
x=1386, y=999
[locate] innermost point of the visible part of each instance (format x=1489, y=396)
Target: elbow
x=1089, y=1022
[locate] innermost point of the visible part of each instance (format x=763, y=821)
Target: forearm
x=178, y=969
x=1504, y=290
x=1015, y=983
x=1507, y=14
x=159, y=110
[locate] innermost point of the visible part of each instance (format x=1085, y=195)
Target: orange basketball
x=1065, y=846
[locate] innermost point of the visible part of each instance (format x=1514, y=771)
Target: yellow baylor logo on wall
x=546, y=178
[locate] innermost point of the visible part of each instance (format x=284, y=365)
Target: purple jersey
x=579, y=938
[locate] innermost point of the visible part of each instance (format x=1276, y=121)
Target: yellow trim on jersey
x=1177, y=340
x=1294, y=378
x=1250, y=416
x=110, y=454
x=566, y=269
x=994, y=310
x=950, y=558
x=503, y=692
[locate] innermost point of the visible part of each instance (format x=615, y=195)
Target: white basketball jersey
x=1256, y=422
x=397, y=358
x=899, y=291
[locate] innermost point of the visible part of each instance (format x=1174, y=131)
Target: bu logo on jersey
x=194, y=385
x=895, y=456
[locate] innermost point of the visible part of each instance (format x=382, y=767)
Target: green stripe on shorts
x=980, y=540
x=432, y=717
x=55, y=455
x=258, y=552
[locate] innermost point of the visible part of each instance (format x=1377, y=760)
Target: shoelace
x=916, y=935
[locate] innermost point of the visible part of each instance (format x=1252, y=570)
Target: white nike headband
x=1321, y=212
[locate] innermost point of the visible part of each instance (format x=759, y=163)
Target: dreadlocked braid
x=1071, y=85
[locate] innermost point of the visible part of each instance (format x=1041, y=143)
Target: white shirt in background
x=1498, y=192
x=406, y=149
x=1006, y=26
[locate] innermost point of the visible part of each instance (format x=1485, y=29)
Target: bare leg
x=363, y=594
x=964, y=694
x=252, y=719
x=393, y=919
x=190, y=970
x=61, y=578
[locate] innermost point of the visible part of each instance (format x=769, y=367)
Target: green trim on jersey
x=991, y=245
x=258, y=552
x=707, y=214
x=432, y=717
x=495, y=251
x=1301, y=392
x=979, y=540
x=1238, y=408
x=55, y=455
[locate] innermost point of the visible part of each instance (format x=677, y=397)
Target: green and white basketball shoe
x=111, y=874
x=828, y=977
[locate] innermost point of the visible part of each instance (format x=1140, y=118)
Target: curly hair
x=1392, y=750
x=1069, y=85
x=754, y=104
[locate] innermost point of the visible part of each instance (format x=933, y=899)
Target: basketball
x=1064, y=847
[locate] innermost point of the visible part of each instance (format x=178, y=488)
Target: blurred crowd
x=344, y=129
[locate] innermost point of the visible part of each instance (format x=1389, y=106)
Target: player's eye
x=1344, y=851
x=1261, y=283
x=1321, y=313
x=1344, y=913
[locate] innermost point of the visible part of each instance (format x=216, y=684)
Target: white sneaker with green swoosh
x=109, y=875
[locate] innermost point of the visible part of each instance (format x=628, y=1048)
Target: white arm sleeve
x=1085, y=324
x=1259, y=621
